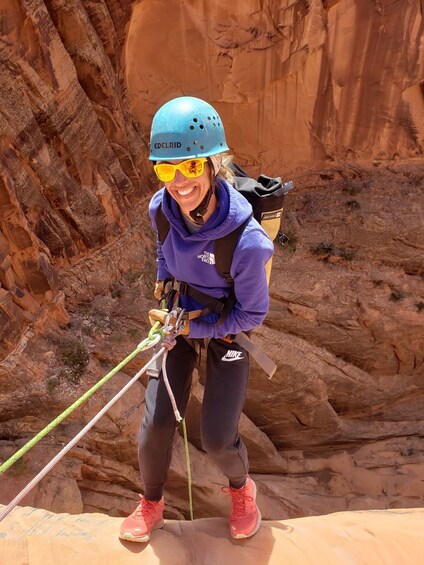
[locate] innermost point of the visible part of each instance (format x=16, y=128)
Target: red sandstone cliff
x=295, y=80
x=306, y=88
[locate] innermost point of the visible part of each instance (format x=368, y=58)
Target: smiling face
x=189, y=193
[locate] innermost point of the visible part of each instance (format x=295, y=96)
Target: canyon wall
x=70, y=152
x=326, y=92
x=295, y=81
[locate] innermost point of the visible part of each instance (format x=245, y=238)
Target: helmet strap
x=197, y=214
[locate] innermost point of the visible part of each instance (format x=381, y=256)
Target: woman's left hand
x=161, y=316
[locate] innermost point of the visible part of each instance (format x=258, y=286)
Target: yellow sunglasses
x=191, y=169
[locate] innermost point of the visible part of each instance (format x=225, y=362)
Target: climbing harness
x=174, y=288
x=155, y=336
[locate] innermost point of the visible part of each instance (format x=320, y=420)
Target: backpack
x=266, y=196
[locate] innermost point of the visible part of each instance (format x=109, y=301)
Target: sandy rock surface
x=38, y=537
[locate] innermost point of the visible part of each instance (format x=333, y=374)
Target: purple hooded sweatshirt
x=189, y=257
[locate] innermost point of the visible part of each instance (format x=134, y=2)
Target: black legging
x=227, y=372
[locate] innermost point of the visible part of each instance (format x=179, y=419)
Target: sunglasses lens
x=192, y=168
x=165, y=172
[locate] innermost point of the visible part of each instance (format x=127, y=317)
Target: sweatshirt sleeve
x=250, y=287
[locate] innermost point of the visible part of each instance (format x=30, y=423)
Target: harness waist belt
x=214, y=305
x=261, y=358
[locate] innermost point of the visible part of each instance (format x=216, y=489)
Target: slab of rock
x=37, y=537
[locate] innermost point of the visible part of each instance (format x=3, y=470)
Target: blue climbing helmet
x=186, y=127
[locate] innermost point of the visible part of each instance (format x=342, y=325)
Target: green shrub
x=353, y=204
x=323, y=248
x=75, y=356
x=350, y=186
x=397, y=295
x=328, y=249
x=52, y=385
x=347, y=254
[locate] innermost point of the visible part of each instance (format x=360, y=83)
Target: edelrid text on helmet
x=186, y=127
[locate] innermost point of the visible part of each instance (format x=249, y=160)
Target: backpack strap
x=162, y=224
x=224, y=251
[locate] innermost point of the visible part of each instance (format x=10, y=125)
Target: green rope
x=190, y=496
x=140, y=347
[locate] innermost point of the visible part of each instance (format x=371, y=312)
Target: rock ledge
x=381, y=537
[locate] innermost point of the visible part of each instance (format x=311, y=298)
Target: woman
x=200, y=206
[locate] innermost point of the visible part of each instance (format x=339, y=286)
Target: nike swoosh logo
x=228, y=359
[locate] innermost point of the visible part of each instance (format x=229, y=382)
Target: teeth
x=185, y=192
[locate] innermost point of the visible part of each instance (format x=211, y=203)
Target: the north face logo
x=207, y=257
x=232, y=355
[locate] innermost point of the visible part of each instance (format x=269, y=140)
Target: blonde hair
x=225, y=170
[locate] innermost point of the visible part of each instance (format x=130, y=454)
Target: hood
x=233, y=210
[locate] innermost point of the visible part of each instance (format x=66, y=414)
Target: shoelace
x=144, y=508
x=238, y=499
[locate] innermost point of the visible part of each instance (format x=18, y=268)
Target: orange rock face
x=70, y=153
x=327, y=93
x=293, y=81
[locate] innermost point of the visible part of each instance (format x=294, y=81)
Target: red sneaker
x=148, y=516
x=245, y=518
